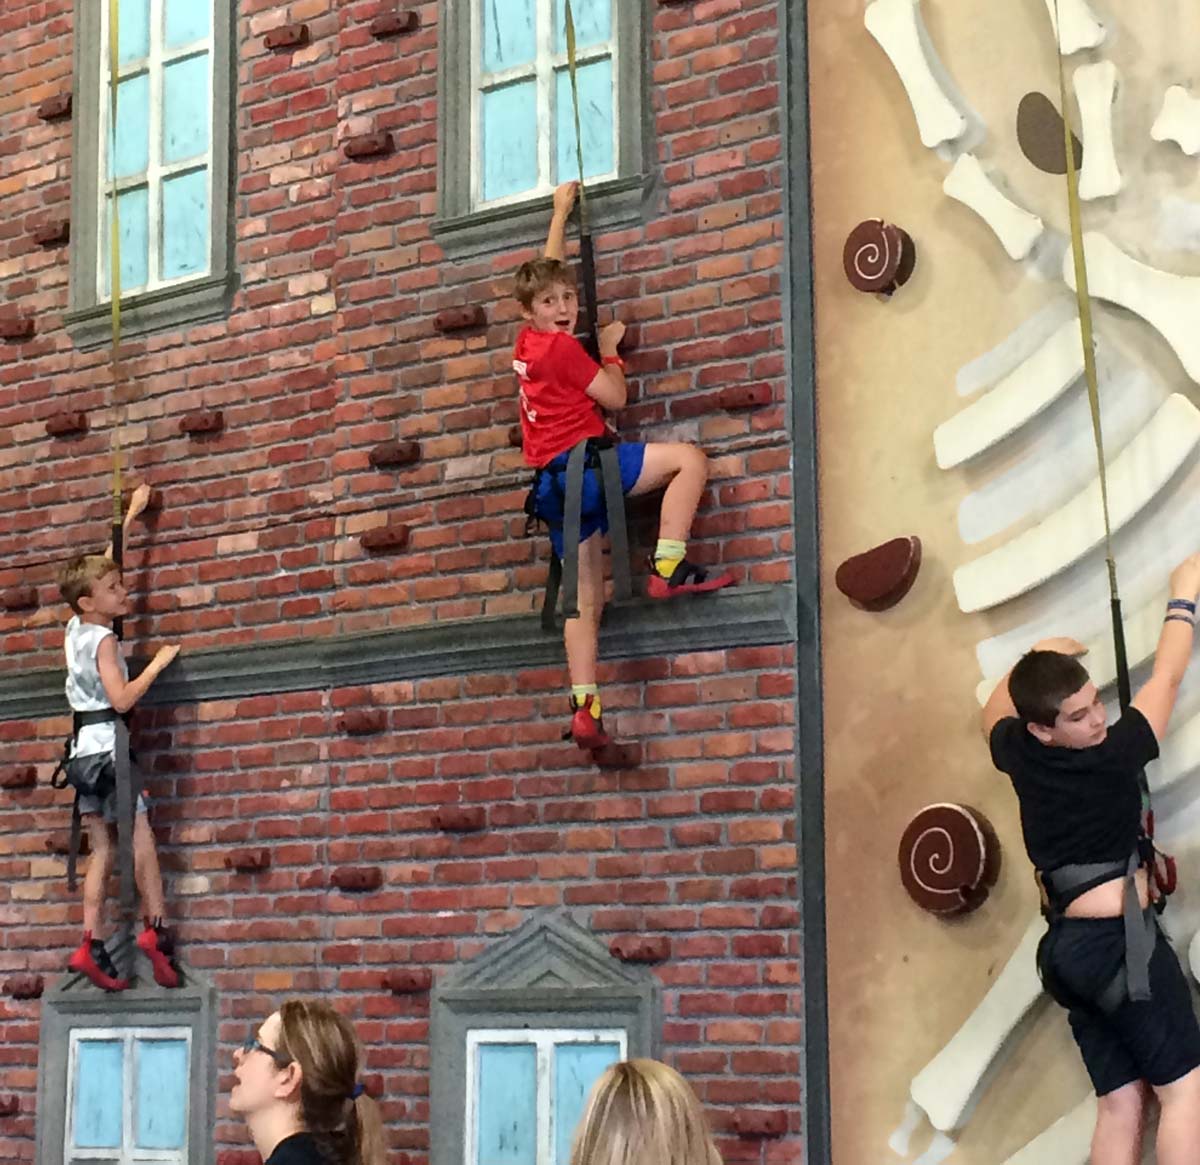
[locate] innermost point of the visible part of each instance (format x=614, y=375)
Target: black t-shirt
x=298, y=1149
x=1077, y=804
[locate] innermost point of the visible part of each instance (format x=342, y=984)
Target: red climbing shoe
x=158, y=946
x=92, y=960
x=587, y=730
x=686, y=579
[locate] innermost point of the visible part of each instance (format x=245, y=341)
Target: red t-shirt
x=556, y=412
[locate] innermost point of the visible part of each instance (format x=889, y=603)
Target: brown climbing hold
x=59, y=842
x=67, y=425
x=393, y=24
x=14, y=328
x=357, y=879
x=363, y=721
x=369, y=145
x=384, y=538
x=19, y=599
x=949, y=859
x=22, y=777
x=1040, y=135
x=395, y=454
x=25, y=986
x=618, y=756
x=287, y=36
x=641, y=948
x=878, y=257
x=202, y=422
x=238, y=1157
x=516, y=438
x=248, y=861
x=460, y=818
x=455, y=319
x=9, y=1106
x=758, y=1123
x=54, y=233
x=880, y=578
x=408, y=980
x=744, y=396
x=372, y=1083
x=54, y=108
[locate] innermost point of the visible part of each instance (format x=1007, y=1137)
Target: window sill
x=171, y=308
x=614, y=203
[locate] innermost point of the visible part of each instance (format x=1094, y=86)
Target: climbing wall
x=953, y=411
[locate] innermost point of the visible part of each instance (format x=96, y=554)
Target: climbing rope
x=587, y=256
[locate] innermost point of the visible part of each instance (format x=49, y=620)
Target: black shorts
x=1157, y=1040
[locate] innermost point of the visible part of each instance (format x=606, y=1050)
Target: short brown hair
x=535, y=276
x=77, y=576
x=1041, y=681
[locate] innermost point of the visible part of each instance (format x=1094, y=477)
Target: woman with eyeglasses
x=296, y=1086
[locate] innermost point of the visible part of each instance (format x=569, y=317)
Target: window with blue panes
x=160, y=163
x=127, y=1096
x=526, y=1091
x=523, y=122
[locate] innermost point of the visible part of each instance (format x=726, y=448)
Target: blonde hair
x=535, y=276
x=75, y=579
x=641, y=1112
x=347, y=1128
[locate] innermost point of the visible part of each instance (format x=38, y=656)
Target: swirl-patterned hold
x=878, y=257
x=949, y=859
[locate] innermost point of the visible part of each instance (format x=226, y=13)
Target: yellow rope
x=570, y=34
x=114, y=264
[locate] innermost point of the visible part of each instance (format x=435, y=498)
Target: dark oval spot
x=1040, y=135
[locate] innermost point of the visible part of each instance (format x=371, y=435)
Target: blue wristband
x=1181, y=605
x=1176, y=618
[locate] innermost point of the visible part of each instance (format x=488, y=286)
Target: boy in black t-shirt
x=1077, y=782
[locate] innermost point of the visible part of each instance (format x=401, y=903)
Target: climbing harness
x=1063, y=885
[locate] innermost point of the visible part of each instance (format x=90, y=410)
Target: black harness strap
x=572, y=522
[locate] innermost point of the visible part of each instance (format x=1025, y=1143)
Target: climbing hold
x=357, y=879
x=408, y=980
x=9, y=1106
x=455, y=319
x=383, y=538
x=460, y=818
x=758, y=1123
x=22, y=777
x=369, y=145
x=19, y=599
x=287, y=36
x=641, y=948
x=516, y=438
x=393, y=24
x=878, y=257
x=949, y=859
x=880, y=578
x=25, y=986
x=744, y=396
x=1040, y=135
x=618, y=756
x=54, y=233
x=59, y=842
x=202, y=422
x=55, y=108
x=15, y=328
x=239, y=1157
x=395, y=454
x=363, y=721
x=248, y=861
x=67, y=424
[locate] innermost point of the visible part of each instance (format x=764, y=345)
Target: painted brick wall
x=331, y=349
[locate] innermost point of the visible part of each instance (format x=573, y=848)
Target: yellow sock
x=668, y=554
x=579, y=695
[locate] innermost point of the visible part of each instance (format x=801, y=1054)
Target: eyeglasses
x=253, y=1044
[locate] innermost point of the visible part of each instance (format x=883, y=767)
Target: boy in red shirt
x=562, y=393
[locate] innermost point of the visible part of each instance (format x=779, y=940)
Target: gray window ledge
x=169, y=309
x=748, y=616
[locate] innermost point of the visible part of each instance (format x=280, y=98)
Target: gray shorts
x=107, y=806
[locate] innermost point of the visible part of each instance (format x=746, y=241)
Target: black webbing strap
x=618, y=536
x=572, y=523
x=127, y=797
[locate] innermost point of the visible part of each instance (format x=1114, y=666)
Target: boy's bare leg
x=683, y=470
x=146, y=869
x=1120, y=1118
x=1178, y=1140
x=95, y=881
x=581, y=636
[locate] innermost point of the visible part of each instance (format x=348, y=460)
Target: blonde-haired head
x=76, y=578
x=642, y=1112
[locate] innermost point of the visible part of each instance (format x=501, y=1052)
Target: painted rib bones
x=1179, y=121
x=1017, y=229
x=1096, y=91
x=1080, y=28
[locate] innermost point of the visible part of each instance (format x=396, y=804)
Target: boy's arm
x=564, y=202
x=138, y=501
x=122, y=693
x=1000, y=705
x=1156, y=699
x=608, y=388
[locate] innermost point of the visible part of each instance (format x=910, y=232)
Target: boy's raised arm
x=1156, y=699
x=138, y=502
x=564, y=203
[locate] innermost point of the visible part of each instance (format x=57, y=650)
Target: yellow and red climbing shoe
x=92, y=960
x=686, y=579
x=587, y=728
x=158, y=946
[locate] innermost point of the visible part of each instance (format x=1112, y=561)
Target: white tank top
x=85, y=690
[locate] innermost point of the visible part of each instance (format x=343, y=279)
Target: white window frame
x=157, y=171
x=128, y=1154
x=544, y=70
x=545, y=1040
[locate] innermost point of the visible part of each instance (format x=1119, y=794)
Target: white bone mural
x=1179, y=120
x=1018, y=230
x=1096, y=91
x=1080, y=28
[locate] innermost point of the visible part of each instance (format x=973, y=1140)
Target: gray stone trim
x=551, y=972
x=196, y=301
x=75, y=1003
x=462, y=231
x=810, y=745
x=751, y=616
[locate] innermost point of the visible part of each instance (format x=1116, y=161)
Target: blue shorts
x=552, y=485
